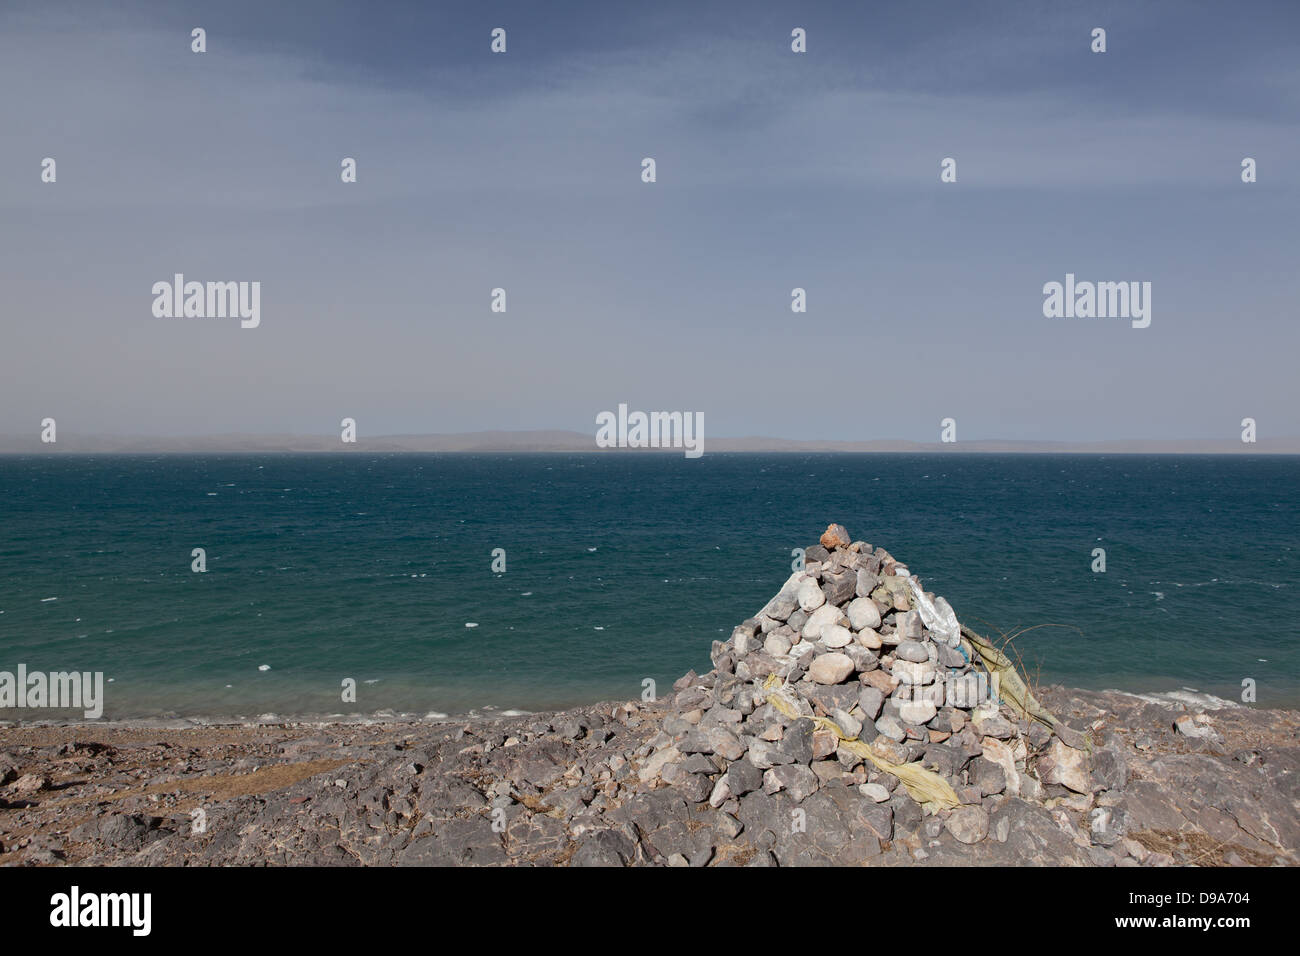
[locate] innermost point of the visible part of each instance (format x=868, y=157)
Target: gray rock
x=828, y=771
x=765, y=755
x=865, y=584
x=1108, y=825
x=786, y=600
x=907, y=624
x=1198, y=727
x=603, y=848
x=995, y=726
x=949, y=720
x=1109, y=769
x=952, y=657
x=888, y=726
x=988, y=776
x=687, y=679
x=695, y=742
x=798, y=742
x=871, y=699
x=699, y=763
x=847, y=723
x=743, y=777
x=968, y=824
x=829, y=697
x=863, y=659
x=653, y=765
x=838, y=586
x=695, y=787
x=795, y=779
x=911, y=651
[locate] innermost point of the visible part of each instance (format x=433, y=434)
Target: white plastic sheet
x=937, y=615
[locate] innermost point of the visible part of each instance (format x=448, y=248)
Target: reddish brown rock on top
x=835, y=537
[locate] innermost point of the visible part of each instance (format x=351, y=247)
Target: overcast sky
x=775, y=170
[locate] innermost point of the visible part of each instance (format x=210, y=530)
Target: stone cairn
x=853, y=642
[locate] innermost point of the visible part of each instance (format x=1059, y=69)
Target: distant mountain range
x=570, y=441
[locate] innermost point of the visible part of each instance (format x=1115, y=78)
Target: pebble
x=863, y=613
x=917, y=711
x=874, y=792
x=836, y=636
x=830, y=669
x=819, y=620
x=912, y=651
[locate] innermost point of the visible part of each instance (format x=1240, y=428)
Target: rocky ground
x=569, y=789
x=781, y=755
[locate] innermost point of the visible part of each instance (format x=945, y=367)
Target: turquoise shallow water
x=619, y=568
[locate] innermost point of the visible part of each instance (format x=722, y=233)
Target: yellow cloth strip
x=926, y=787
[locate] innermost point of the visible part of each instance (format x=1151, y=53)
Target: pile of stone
x=855, y=640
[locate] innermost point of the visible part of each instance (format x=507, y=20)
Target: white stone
x=836, y=635
x=810, y=595
x=917, y=711
x=825, y=616
x=776, y=645
x=863, y=613
x=874, y=791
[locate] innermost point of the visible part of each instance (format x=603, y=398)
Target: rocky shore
x=851, y=721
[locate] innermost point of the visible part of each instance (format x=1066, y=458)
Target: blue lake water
x=619, y=568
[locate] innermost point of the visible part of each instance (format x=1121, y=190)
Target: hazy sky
x=775, y=170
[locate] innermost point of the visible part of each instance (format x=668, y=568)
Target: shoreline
x=1187, y=696
x=1184, y=697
